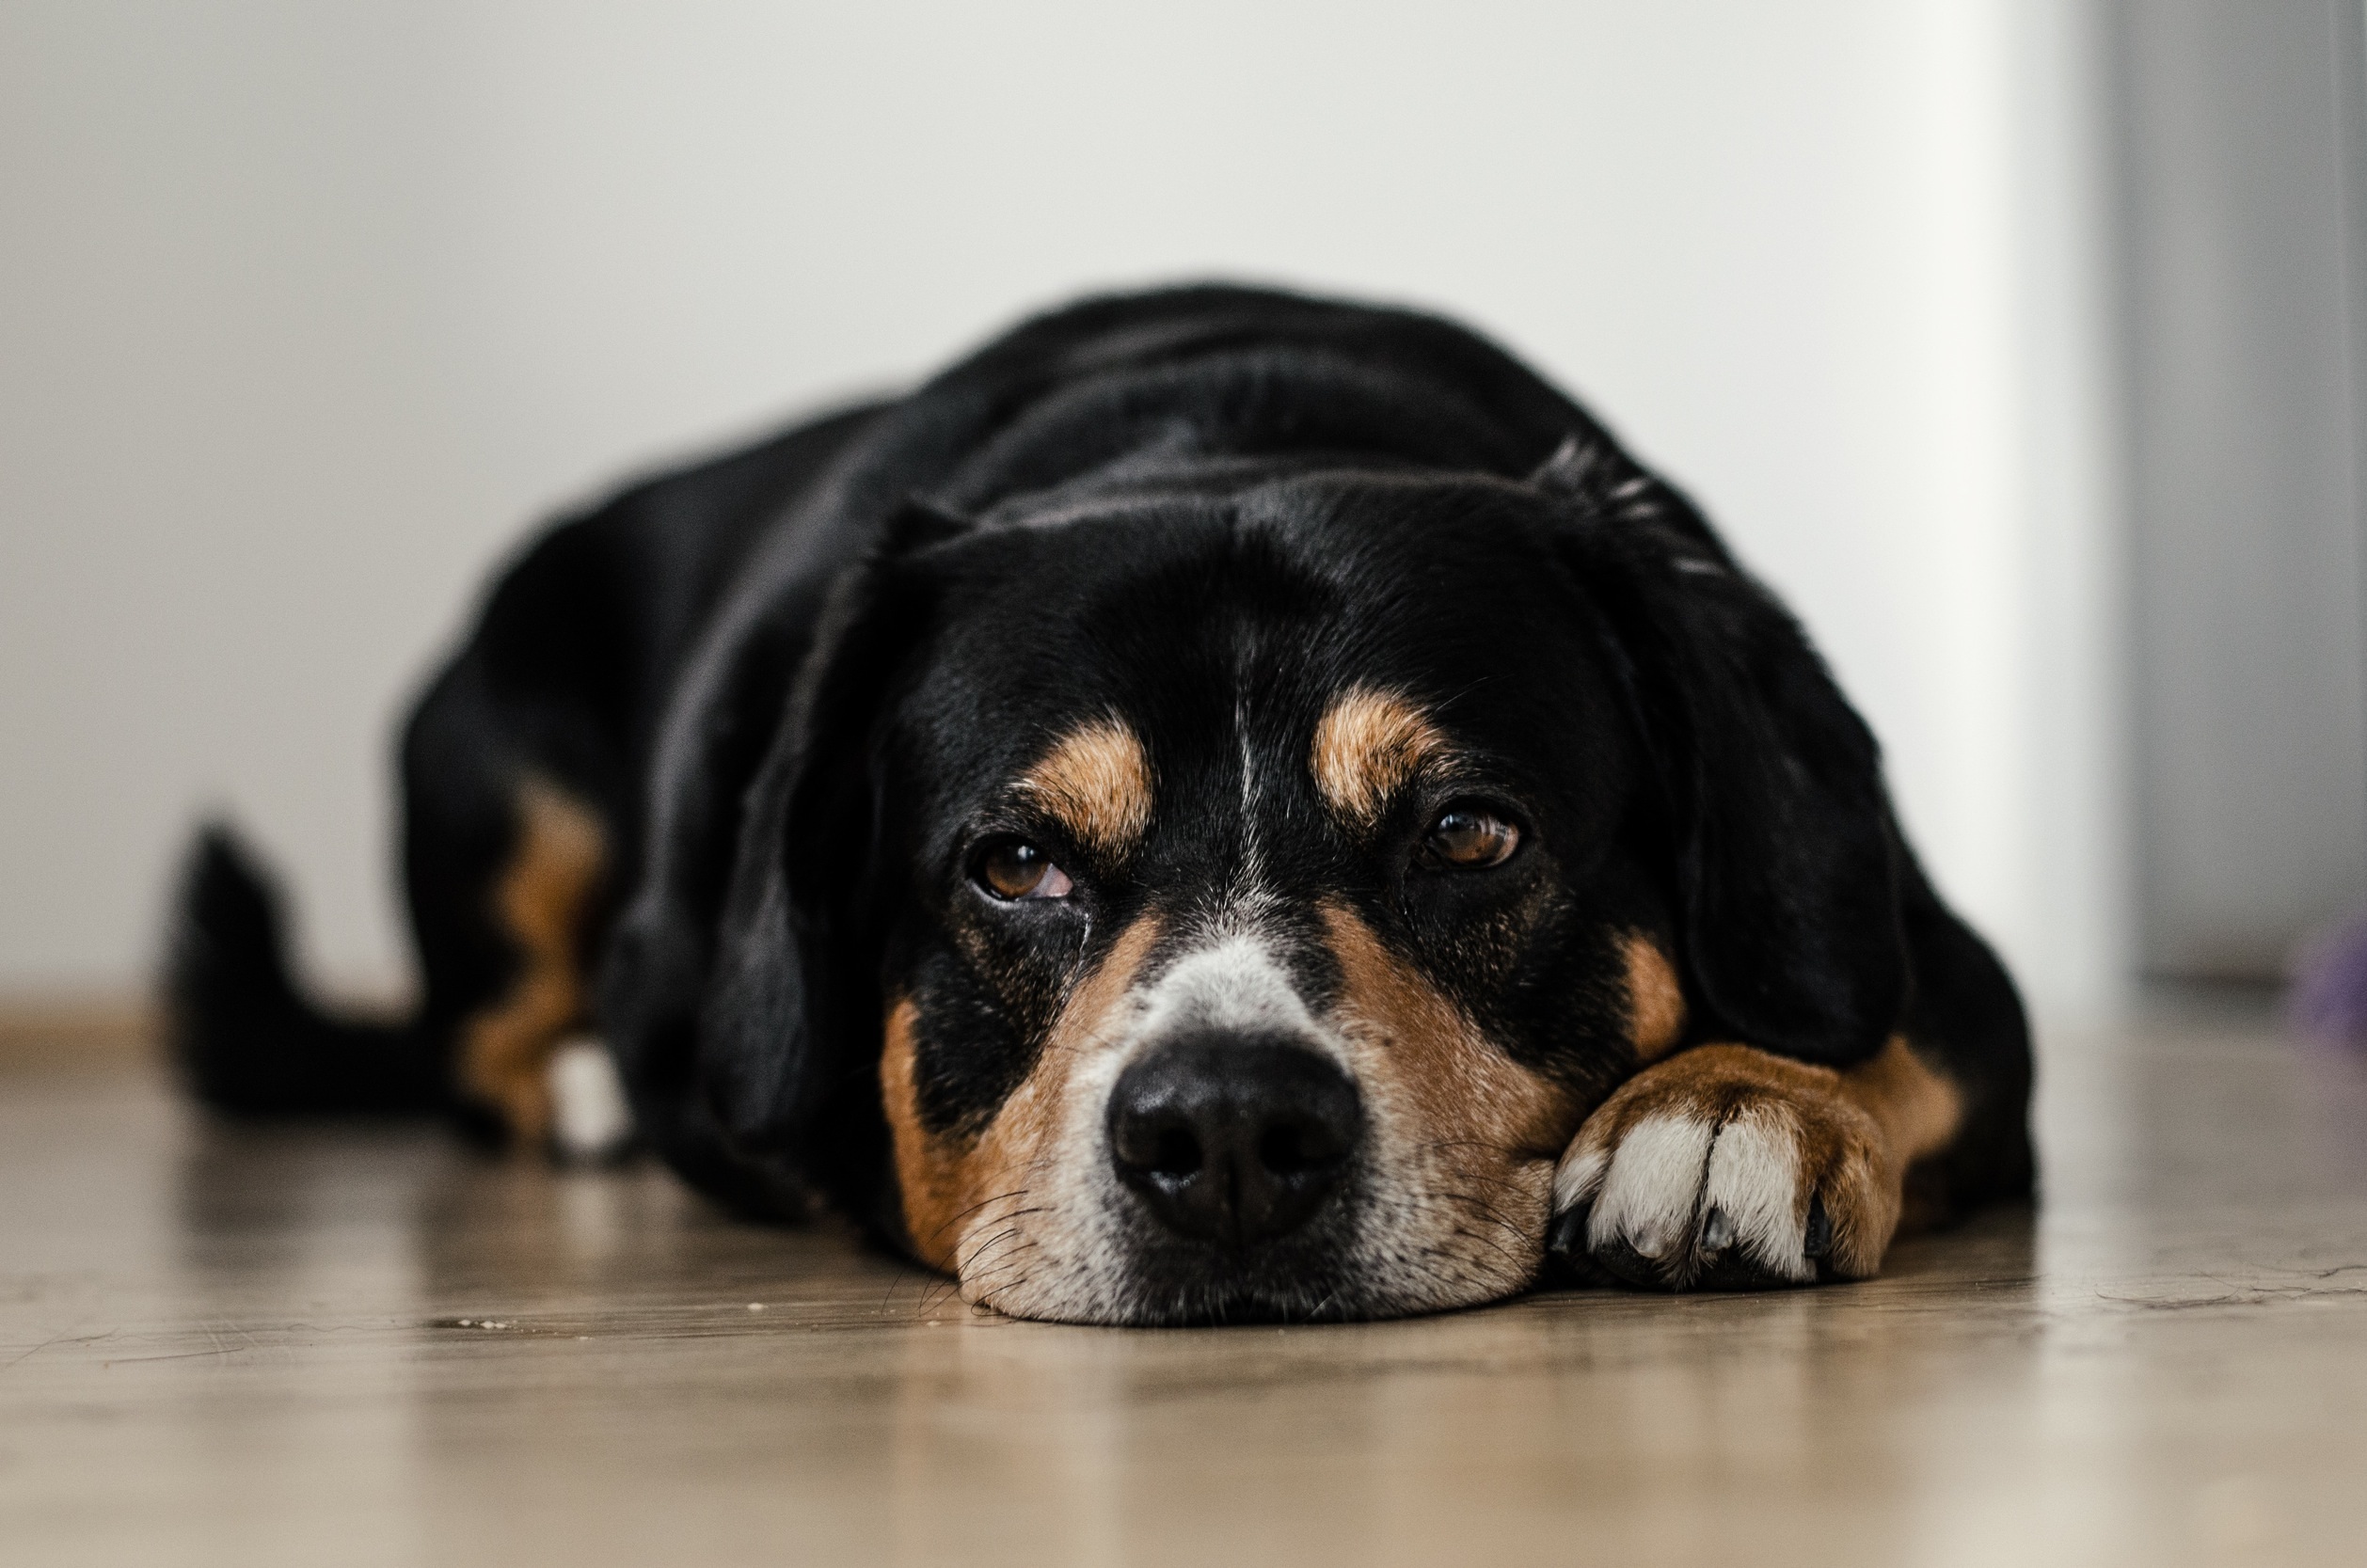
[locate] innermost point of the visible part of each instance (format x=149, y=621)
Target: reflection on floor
x=363, y=1346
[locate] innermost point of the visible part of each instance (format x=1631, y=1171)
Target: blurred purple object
x=2328, y=998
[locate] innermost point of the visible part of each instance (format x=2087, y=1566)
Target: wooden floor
x=352, y=1346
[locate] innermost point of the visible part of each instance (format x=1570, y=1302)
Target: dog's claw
x=1819, y=1238
x=1566, y=1236
x=1717, y=1231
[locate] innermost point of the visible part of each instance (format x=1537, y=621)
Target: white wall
x=2246, y=156
x=306, y=311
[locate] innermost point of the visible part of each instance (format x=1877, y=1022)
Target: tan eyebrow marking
x=1366, y=747
x=1096, y=780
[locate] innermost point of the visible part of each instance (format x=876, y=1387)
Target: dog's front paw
x=1727, y=1168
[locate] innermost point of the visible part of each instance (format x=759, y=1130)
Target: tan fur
x=960, y=1192
x=1655, y=1003
x=1463, y=1086
x=1367, y=746
x=1475, y=1125
x=539, y=903
x=1917, y=1108
x=1096, y=780
x=1856, y=1131
x=928, y=1169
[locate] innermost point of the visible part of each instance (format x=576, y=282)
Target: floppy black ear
x=1788, y=854
x=728, y=990
x=789, y=1028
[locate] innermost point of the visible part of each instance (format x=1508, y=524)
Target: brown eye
x=1013, y=868
x=1468, y=839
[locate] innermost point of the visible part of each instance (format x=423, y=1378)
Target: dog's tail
x=246, y=1039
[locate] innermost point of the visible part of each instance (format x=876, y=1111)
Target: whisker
x=1016, y=1192
x=980, y=1277
x=983, y=1247
x=1489, y=1243
x=1487, y=1212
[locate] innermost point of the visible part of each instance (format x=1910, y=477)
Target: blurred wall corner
x=2240, y=145
x=2067, y=932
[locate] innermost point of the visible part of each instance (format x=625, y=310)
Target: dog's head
x=1228, y=901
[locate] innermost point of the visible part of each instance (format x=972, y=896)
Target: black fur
x=246, y=1039
x=792, y=680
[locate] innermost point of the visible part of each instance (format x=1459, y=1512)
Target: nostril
x=1157, y=1143
x=1174, y=1152
x=1295, y=1146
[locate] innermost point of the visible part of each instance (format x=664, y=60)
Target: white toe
x=1649, y=1195
x=1580, y=1176
x=1754, y=1182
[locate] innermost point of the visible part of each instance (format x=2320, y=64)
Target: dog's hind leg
x=543, y=901
x=507, y=870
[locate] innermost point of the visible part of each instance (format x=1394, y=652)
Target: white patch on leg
x=1654, y=1181
x=589, y=1117
x=1755, y=1181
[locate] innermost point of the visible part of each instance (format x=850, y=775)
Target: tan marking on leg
x=957, y=1191
x=1917, y=1108
x=1367, y=745
x=1096, y=780
x=1655, y=1003
x=539, y=903
x=1855, y=1132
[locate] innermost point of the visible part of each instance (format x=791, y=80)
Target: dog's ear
x=1789, y=860
x=790, y=1024
x=728, y=988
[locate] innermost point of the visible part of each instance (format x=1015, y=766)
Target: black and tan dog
x=1222, y=805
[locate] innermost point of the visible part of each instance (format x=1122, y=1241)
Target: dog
x=1221, y=806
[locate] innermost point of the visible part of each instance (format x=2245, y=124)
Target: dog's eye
x=1010, y=868
x=1467, y=838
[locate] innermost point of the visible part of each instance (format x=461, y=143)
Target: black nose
x=1231, y=1139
